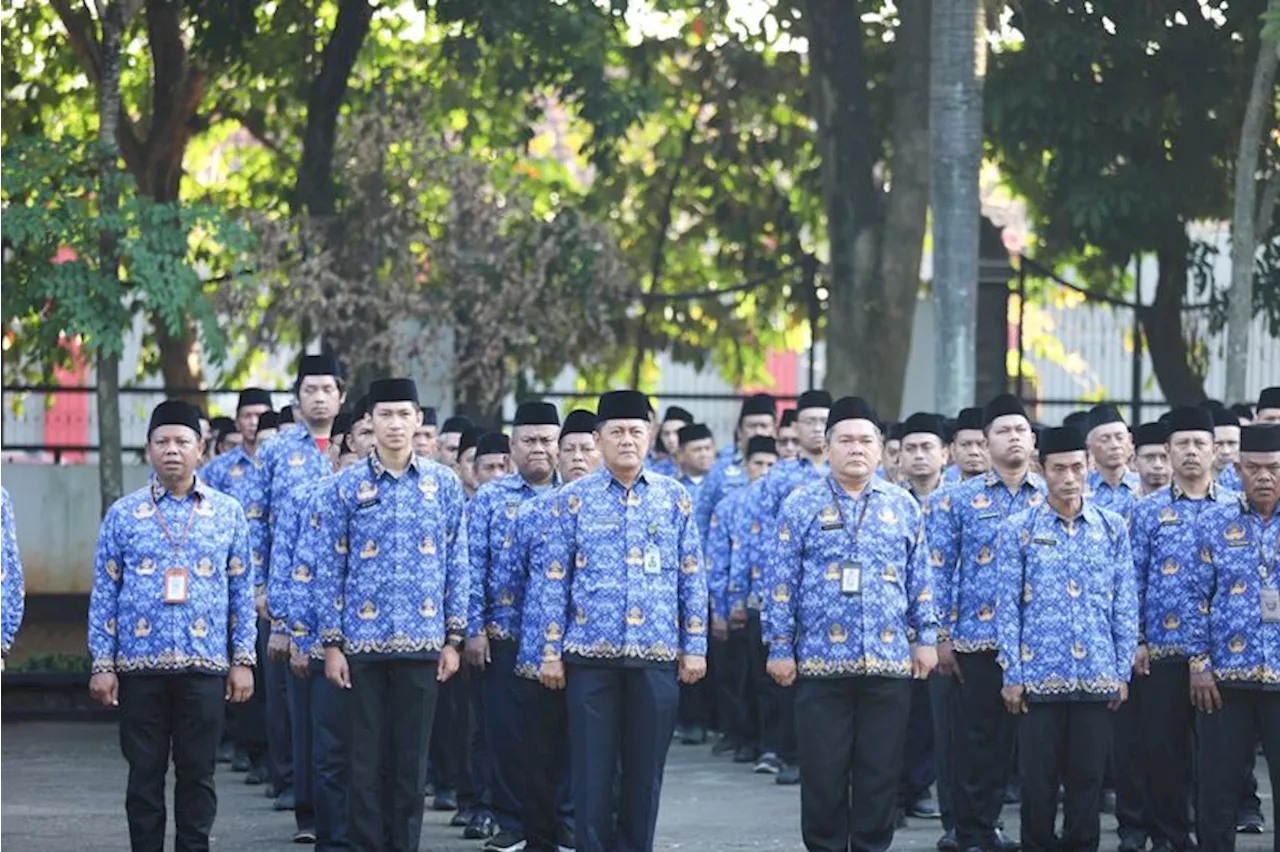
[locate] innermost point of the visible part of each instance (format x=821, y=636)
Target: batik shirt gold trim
x=964, y=521
x=242, y=476
x=1166, y=556
x=622, y=578
x=131, y=628
x=1227, y=634
x=392, y=575
x=1066, y=604
x=729, y=473
x=498, y=579
x=808, y=615
x=12, y=587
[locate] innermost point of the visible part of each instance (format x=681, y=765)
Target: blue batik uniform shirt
x=1166, y=557
x=1067, y=603
x=811, y=620
x=1226, y=632
x=533, y=529
x=131, y=629
x=242, y=476
x=621, y=578
x=291, y=592
x=498, y=578
x=697, y=492
x=964, y=522
x=392, y=573
x=1119, y=498
x=1230, y=479
x=12, y=588
x=726, y=552
x=730, y=472
x=290, y=459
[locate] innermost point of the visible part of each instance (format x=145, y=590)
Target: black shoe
x=746, y=754
x=226, y=753
x=789, y=775
x=241, y=763
x=256, y=775
x=505, y=841
x=271, y=790
x=1001, y=842
x=1250, y=824
x=565, y=841
x=693, y=735
x=947, y=842
x=445, y=800
x=285, y=801
x=1013, y=795
x=723, y=746
x=304, y=835
x=1108, y=801
x=460, y=819
x=924, y=809
x=481, y=827
x=1132, y=844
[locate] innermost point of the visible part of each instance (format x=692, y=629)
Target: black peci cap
x=1059, y=439
x=537, y=414
x=1000, y=406
x=253, y=396
x=579, y=422
x=493, y=443
x=1149, y=434
x=851, y=408
x=694, y=432
x=175, y=412
x=623, y=405
x=761, y=444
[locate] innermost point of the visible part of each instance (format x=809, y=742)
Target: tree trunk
x=959, y=59
x=1244, y=242
x=1162, y=322
x=110, y=449
x=875, y=243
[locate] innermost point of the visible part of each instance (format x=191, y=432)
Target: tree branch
x=255, y=124
x=81, y=34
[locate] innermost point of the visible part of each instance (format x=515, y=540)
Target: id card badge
x=652, y=559
x=850, y=578
x=1270, y=606
x=175, y=586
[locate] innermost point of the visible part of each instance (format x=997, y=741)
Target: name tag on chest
x=850, y=578
x=1270, y=600
x=652, y=559
x=175, y=586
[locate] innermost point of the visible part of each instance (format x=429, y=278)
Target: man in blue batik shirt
x=1111, y=484
x=1163, y=531
x=1067, y=624
x=1226, y=448
x=172, y=630
x=1234, y=642
x=758, y=416
x=665, y=451
x=623, y=611
x=963, y=524
x=392, y=590
x=850, y=621
x=730, y=543
x=786, y=477
x=294, y=458
x=548, y=816
x=697, y=455
x=498, y=582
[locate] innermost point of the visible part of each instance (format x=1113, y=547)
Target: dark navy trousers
x=505, y=726
x=619, y=714
x=299, y=689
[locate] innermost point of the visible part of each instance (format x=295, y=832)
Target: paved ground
x=63, y=791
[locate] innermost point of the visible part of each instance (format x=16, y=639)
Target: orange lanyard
x=180, y=545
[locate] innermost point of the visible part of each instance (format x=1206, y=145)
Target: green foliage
x=56, y=289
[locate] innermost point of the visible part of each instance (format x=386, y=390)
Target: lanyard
x=865, y=500
x=181, y=544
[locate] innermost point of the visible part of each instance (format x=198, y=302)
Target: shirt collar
x=1088, y=513
x=1176, y=492
x=200, y=490
x=378, y=468
x=516, y=482
x=609, y=480
x=992, y=478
